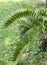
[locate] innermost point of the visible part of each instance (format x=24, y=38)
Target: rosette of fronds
x=31, y=48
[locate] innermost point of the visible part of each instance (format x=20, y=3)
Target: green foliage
x=22, y=35
x=18, y=15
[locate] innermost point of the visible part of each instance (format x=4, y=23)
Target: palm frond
x=25, y=42
x=18, y=15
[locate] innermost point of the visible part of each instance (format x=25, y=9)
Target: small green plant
x=32, y=44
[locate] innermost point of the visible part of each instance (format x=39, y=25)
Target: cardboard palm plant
x=32, y=45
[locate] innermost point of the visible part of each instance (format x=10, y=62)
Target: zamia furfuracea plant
x=32, y=45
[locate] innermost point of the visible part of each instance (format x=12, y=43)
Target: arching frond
x=18, y=15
